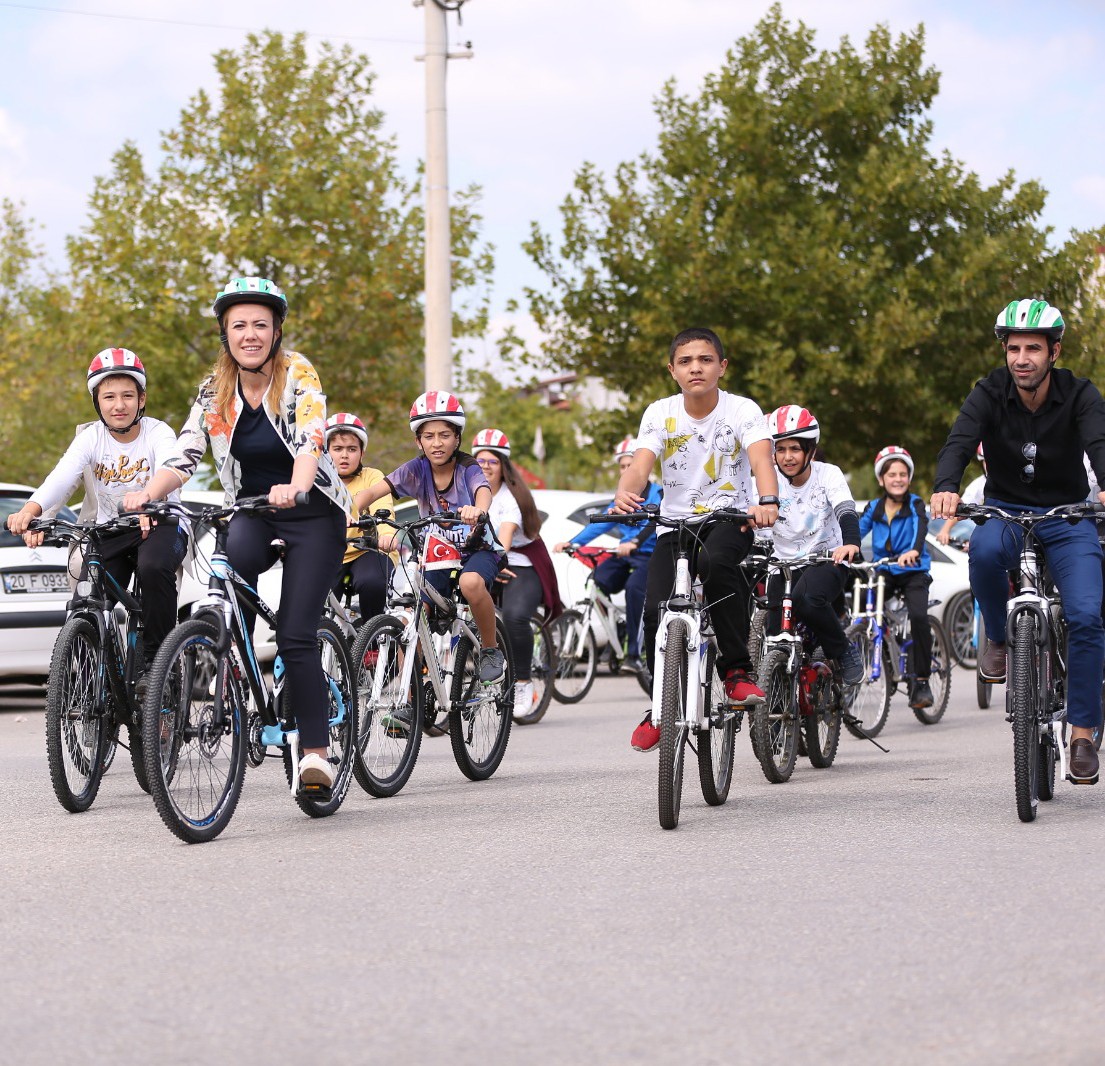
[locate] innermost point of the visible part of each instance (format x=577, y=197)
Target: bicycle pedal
x=1083, y=780
x=322, y=793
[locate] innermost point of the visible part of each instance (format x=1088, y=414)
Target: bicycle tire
x=715, y=742
x=984, y=690
x=1021, y=695
x=385, y=757
x=137, y=757
x=869, y=701
x=196, y=789
x=341, y=710
x=542, y=672
x=960, y=616
x=1048, y=759
x=757, y=630
x=775, y=725
x=576, y=666
x=77, y=715
x=479, y=721
x=673, y=726
x=821, y=727
x=940, y=676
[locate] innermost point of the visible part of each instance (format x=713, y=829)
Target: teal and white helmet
x=1030, y=316
x=251, y=290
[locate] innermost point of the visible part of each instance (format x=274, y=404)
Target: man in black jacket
x=1034, y=422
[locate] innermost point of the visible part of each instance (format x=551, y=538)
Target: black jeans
x=156, y=559
x=724, y=545
x=315, y=545
x=520, y=598
x=915, y=588
x=368, y=576
x=818, y=600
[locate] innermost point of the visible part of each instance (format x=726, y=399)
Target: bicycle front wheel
x=542, y=673
x=341, y=709
x=867, y=704
x=576, y=657
x=775, y=721
x=78, y=725
x=1022, y=694
x=673, y=725
x=715, y=741
x=821, y=726
x=390, y=733
x=195, y=750
x=940, y=676
x=480, y=715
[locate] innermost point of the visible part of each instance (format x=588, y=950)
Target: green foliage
x=795, y=206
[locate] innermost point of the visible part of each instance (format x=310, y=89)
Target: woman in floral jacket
x=263, y=414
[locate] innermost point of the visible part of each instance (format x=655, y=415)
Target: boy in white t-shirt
x=711, y=444
x=816, y=513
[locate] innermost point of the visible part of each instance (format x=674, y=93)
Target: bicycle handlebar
x=652, y=514
x=1071, y=512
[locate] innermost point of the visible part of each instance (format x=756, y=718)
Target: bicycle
x=93, y=670
x=879, y=629
x=574, y=633
x=688, y=692
x=399, y=664
x=542, y=662
x=1036, y=642
x=803, y=699
x=197, y=703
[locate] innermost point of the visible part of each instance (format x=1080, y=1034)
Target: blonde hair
x=225, y=376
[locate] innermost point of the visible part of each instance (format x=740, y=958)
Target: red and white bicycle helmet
x=436, y=406
x=344, y=422
x=791, y=422
x=491, y=440
x=889, y=453
x=113, y=361
x=625, y=447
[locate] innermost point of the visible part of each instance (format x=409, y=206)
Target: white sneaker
x=315, y=770
x=524, y=697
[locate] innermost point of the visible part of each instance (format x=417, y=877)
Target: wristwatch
x=766, y=500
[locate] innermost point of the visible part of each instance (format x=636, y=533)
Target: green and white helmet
x=250, y=290
x=1030, y=316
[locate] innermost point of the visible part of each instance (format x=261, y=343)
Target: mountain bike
x=400, y=662
x=880, y=630
x=802, y=695
x=574, y=633
x=689, y=703
x=198, y=730
x=94, y=668
x=1036, y=642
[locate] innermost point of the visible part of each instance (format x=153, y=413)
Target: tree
x=284, y=173
x=795, y=206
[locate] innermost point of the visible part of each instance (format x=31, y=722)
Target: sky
x=551, y=85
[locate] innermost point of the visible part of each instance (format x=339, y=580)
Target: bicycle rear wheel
x=775, y=721
x=542, y=673
x=715, y=741
x=390, y=729
x=195, y=756
x=867, y=703
x=576, y=657
x=960, y=616
x=940, y=676
x=673, y=725
x=341, y=709
x=78, y=721
x=821, y=726
x=1021, y=695
x=480, y=715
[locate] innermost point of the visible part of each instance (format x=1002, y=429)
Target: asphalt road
x=889, y=909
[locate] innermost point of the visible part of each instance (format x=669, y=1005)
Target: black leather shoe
x=1083, y=762
x=992, y=664
x=921, y=696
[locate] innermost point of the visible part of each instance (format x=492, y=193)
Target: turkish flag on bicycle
x=440, y=554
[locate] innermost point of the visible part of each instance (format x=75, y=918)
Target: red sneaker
x=646, y=736
x=741, y=689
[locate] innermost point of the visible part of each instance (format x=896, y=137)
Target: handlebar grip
x=301, y=498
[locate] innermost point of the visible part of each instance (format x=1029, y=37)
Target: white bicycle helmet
x=343, y=422
x=436, y=406
x=792, y=422
x=491, y=440
x=888, y=454
x=1030, y=316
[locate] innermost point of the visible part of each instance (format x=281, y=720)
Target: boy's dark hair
x=696, y=333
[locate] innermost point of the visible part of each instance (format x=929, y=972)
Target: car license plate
x=37, y=582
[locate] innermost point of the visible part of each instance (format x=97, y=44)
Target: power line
x=199, y=25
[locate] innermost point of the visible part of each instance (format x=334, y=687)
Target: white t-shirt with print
x=108, y=468
x=808, y=513
x=704, y=461
x=504, y=508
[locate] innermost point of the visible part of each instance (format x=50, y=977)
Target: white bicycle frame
x=691, y=621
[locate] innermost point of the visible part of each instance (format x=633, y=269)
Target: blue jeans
x=629, y=572
x=1074, y=559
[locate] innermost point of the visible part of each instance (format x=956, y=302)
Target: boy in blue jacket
x=898, y=522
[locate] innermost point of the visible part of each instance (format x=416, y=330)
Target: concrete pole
x=439, y=311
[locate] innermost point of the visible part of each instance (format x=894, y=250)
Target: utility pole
x=439, y=280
